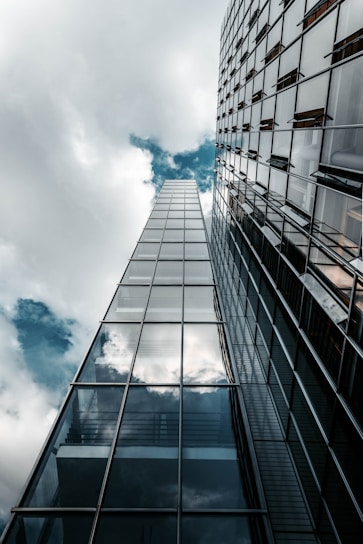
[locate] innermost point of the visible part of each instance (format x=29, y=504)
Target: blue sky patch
x=44, y=339
x=197, y=164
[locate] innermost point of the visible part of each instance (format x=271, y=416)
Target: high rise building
x=287, y=249
x=150, y=446
x=220, y=401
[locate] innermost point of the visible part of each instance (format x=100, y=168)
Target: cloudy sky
x=99, y=102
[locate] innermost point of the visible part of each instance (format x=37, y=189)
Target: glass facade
x=151, y=445
x=287, y=247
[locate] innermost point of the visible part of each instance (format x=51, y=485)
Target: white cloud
x=77, y=78
x=27, y=412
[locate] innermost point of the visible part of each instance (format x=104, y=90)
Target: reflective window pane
x=158, y=354
x=175, y=223
x=171, y=251
x=144, y=471
x=194, y=235
x=165, y=304
x=173, y=235
x=155, y=224
x=128, y=303
x=202, y=356
x=196, y=251
x=85, y=433
x=217, y=529
x=198, y=272
x=151, y=235
x=194, y=224
x=136, y=528
x=111, y=354
x=211, y=469
x=169, y=272
x=139, y=272
x=58, y=529
x=146, y=251
x=199, y=304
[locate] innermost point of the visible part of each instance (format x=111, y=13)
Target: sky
x=100, y=101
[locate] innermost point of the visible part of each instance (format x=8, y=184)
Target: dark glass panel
x=158, y=354
x=144, y=471
x=217, y=529
x=111, y=354
x=351, y=383
x=323, y=334
x=72, y=469
x=136, y=528
x=211, y=461
x=59, y=529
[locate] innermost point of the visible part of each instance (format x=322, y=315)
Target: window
x=310, y=118
x=257, y=96
x=273, y=52
x=262, y=33
x=279, y=162
x=287, y=79
x=315, y=12
x=348, y=47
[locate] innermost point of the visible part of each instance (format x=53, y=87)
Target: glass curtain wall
x=287, y=245
x=150, y=446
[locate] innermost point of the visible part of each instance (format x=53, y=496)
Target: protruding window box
x=244, y=57
x=254, y=18
x=310, y=118
x=246, y=127
x=288, y=79
x=349, y=46
x=258, y=96
x=267, y=124
x=262, y=33
x=252, y=154
x=282, y=163
x=250, y=74
x=316, y=11
x=272, y=54
x=241, y=105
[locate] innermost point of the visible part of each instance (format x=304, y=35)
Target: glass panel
x=175, y=223
x=169, y=272
x=211, y=469
x=320, y=38
x=217, y=529
x=312, y=94
x=171, y=251
x=173, y=236
x=338, y=221
x=146, y=251
x=158, y=354
x=144, y=471
x=136, y=528
x=198, y=272
x=194, y=224
x=176, y=214
x=199, y=304
x=158, y=214
x=345, y=104
x=202, y=356
x=305, y=155
x=196, y=251
x=165, y=304
x=193, y=215
x=58, y=529
x=155, y=224
x=111, y=354
x=194, y=236
x=72, y=470
x=128, y=303
x=151, y=235
x=139, y=272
